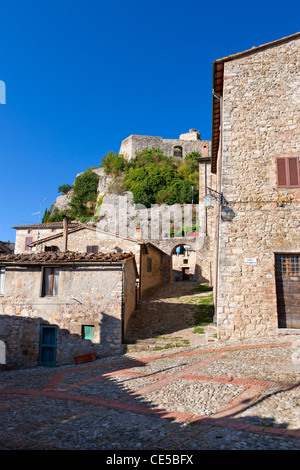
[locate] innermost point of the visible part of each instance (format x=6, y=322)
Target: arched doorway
x=183, y=263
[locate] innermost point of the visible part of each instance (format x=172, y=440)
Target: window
x=149, y=265
x=287, y=265
x=88, y=332
x=178, y=152
x=288, y=172
x=27, y=241
x=50, y=282
x=2, y=277
x=92, y=249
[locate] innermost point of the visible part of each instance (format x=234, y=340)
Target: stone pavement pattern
x=222, y=395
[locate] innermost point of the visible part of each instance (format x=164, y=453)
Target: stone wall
x=261, y=109
x=21, y=235
x=154, y=266
x=87, y=295
x=189, y=142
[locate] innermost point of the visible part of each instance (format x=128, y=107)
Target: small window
x=178, y=152
x=287, y=265
x=27, y=241
x=88, y=332
x=92, y=249
x=149, y=265
x=2, y=277
x=29, y=231
x=50, y=282
x=288, y=172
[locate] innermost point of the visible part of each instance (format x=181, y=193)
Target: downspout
x=123, y=304
x=215, y=95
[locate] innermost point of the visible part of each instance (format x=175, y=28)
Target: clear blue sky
x=83, y=75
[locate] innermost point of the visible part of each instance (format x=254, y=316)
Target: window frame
x=85, y=335
x=52, y=284
x=287, y=264
x=28, y=248
x=178, y=149
x=2, y=283
x=287, y=168
x=92, y=249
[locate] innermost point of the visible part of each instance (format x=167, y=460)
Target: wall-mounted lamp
x=209, y=199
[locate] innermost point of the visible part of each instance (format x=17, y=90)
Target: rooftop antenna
x=40, y=211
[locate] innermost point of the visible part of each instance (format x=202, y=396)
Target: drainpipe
x=218, y=210
x=65, y=233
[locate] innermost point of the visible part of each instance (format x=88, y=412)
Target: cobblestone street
x=229, y=395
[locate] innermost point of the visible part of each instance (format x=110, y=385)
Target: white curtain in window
x=47, y=280
x=2, y=276
x=55, y=281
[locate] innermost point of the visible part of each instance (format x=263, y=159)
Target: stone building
x=26, y=234
x=188, y=142
x=152, y=262
x=253, y=242
x=54, y=306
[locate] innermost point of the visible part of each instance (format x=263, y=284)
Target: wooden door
x=47, y=356
x=288, y=290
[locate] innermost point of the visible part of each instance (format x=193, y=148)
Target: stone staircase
x=164, y=319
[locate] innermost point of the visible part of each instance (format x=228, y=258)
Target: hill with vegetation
x=151, y=177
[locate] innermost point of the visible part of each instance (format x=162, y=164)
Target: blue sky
x=81, y=76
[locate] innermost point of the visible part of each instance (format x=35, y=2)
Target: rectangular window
x=92, y=249
x=88, y=332
x=288, y=172
x=50, y=282
x=27, y=241
x=287, y=265
x=2, y=277
x=149, y=265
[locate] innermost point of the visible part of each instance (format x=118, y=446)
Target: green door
x=47, y=356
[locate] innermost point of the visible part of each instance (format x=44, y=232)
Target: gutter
x=212, y=119
x=218, y=209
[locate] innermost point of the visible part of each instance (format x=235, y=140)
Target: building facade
x=54, y=306
x=255, y=224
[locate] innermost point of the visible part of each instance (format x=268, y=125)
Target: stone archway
x=183, y=263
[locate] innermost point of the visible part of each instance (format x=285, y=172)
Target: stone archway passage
x=183, y=263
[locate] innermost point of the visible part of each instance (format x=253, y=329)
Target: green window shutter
x=88, y=332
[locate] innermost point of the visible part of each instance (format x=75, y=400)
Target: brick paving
x=163, y=401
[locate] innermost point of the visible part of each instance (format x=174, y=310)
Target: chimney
x=65, y=232
x=204, y=152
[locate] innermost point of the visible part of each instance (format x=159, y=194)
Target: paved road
x=242, y=395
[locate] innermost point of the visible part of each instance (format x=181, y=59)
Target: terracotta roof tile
x=68, y=256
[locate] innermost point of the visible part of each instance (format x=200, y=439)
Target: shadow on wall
x=30, y=342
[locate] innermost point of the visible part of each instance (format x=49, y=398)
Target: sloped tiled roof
x=47, y=225
x=65, y=257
